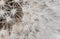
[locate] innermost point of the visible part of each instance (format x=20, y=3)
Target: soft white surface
x=43, y=15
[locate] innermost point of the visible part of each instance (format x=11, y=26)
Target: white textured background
x=42, y=17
